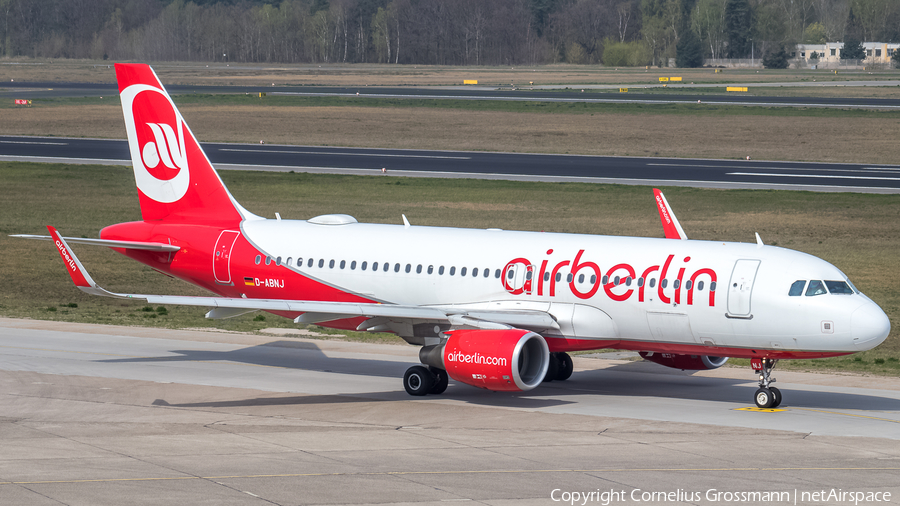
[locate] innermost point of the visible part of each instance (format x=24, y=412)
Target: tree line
x=441, y=32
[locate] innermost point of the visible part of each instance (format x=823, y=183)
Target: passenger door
x=740, y=287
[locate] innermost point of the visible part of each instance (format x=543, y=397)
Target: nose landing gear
x=766, y=395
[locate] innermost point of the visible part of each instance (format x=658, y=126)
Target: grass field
x=692, y=131
x=412, y=75
x=858, y=233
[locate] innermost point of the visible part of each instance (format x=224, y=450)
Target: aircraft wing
x=314, y=311
x=149, y=246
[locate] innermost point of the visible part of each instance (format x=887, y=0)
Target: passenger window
x=452, y=270
x=528, y=274
x=712, y=286
x=288, y=261
x=430, y=269
x=331, y=264
x=797, y=288
x=687, y=285
x=838, y=287
x=387, y=266
x=593, y=279
x=268, y=259
x=816, y=287
x=374, y=266
x=343, y=263
x=676, y=284
x=419, y=269
x=396, y=267
x=441, y=271
x=664, y=283
x=278, y=261
x=581, y=278
x=462, y=272
x=628, y=281
x=310, y=263
x=475, y=272
x=258, y=259
x=353, y=265
x=605, y=280
x=408, y=268
x=569, y=277
x=640, y=281
x=497, y=273
x=321, y=263
x=616, y=281
x=363, y=265
x=699, y=285
x=546, y=276
x=652, y=282
x=299, y=261
x=510, y=274
x=487, y=272
x=558, y=277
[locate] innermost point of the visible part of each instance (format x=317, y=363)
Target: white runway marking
x=345, y=154
x=827, y=176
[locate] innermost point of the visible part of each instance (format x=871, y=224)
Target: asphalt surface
x=93, y=414
x=597, y=94
x=754, y=174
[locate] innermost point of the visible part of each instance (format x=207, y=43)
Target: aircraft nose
x=869, y=326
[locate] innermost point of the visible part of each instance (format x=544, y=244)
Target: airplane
x=495, y=309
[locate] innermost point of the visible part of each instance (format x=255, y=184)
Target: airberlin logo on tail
x=156, y=139
x=167, y=148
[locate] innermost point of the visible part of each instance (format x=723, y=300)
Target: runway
x=94, y=414
x=572, y=93
x=701, y=173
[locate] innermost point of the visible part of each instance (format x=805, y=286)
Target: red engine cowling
x=503, y=360
x=685, y=362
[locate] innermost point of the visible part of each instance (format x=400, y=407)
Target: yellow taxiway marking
x=488, y=471
x=760, y=410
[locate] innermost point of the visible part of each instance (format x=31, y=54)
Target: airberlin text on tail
x=175, y=180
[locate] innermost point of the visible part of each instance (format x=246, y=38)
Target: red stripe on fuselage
x=569, y=344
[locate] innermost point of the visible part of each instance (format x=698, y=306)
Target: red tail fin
x=175, y=180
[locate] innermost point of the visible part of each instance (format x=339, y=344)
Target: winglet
x=79, y=274
x=669, y=221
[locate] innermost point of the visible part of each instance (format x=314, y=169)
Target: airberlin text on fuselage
x=622, y=281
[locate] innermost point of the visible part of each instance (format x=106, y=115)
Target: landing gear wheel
x=776, y=394
x=418, y=380
x=764, y=398
x=566, y=366
x=552, y=369
x=441, y=380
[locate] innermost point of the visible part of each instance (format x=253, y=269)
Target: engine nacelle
x=688, y=362
x=503, y=360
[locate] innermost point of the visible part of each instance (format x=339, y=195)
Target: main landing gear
x=560, y=368
x=766, y=396
x=420, y=380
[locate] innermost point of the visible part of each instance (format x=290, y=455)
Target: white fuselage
x=750, y=307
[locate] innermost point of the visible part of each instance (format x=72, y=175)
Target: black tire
x=776, y=394
x=763, y=398
x=552, y=369
x=566, y=366
x=441, y=380
x=418, y=380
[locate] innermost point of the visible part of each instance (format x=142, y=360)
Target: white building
x=830, y=53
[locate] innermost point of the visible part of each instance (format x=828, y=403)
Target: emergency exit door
x=222, y=256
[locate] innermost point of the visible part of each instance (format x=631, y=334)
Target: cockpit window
x=839, y=287
x=797, y=288
x=816, y=287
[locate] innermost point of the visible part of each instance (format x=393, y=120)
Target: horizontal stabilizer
x=148, y=246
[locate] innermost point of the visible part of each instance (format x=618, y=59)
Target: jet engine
x=502, y=360
x=685, y=362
